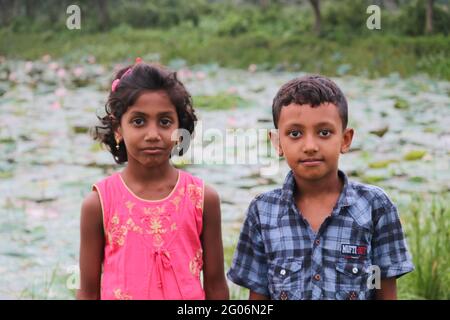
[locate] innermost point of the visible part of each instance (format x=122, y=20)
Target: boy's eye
x=295, y=134
x=324, y=133
x=137, y=122
x=165, y=122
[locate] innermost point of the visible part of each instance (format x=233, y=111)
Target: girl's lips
x=152, y=151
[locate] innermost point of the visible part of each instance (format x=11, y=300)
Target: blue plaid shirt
x=278, y=254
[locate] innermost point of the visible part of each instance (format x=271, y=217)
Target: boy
x=320, y=236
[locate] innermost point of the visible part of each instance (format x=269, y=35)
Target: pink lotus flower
x=53, y=66
x=232, y=90
x=60, y=92
x=91, y=59
x=200, y=75
x=56, y=105
x=12, y=77
x=78, y=71
x=61, y=73
x=28, y=66
x=46, y=58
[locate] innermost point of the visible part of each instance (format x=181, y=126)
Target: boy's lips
x=311, y=162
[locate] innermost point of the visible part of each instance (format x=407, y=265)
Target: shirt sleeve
x=249, y=266
x=389, y=248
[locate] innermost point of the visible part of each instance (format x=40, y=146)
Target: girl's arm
x=388, y=290
x=91, y=247
x=214, y=281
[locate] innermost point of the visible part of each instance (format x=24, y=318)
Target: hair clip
x=116, y=82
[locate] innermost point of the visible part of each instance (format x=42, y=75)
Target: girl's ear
x=118, y=134
x=275, y=139
x=347, y=138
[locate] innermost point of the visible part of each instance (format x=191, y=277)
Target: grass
x=428, y=228
x=373, y=56
x=219, y=101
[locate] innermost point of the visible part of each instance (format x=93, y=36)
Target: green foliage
x=428, y=231
x=411, y=20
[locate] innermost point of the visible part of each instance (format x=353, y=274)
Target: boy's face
x=147, y=127
x=311, y=139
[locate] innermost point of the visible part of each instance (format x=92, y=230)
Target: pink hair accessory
x=114, y=85
x=116, y=82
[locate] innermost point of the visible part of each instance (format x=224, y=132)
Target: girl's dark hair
x=313, y=90
x=142, y=77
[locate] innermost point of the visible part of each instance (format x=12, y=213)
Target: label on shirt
x=353, y=250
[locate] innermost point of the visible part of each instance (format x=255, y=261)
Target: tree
x=103, y=14
x=429, y=17
x=317, y=18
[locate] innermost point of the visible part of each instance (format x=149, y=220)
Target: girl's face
x=147, y=127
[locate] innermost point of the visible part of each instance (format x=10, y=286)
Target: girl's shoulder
x=191, y=179
x=108, y=180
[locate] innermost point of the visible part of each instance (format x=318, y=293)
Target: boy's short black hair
x=313, y=90
x=135, y=80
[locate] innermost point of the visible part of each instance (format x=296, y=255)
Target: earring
x=117, y=144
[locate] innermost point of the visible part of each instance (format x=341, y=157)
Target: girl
x=148, y=231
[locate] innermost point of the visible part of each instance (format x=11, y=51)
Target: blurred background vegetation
x=325, y=36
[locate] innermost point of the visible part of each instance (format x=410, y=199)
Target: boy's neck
x=331, y=184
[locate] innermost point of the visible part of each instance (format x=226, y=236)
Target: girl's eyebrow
x=159, y=114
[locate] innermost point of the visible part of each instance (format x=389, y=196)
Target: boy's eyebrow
x=317, y=125
x=325, y=123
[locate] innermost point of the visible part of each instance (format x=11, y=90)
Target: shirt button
x=317, y=242
x=283, y=272
x=283, y=295
x=317, y=277
x=355, y=270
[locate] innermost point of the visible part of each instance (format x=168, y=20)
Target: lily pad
x=415, y=155
x=381, y=164
x=401, y=104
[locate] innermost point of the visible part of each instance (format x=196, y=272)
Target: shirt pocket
x=351, y=280
x=286, y=279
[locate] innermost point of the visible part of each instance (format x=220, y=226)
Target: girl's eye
x=165, y=122
x=138, y=122
x=295, y=134
x=324, y=133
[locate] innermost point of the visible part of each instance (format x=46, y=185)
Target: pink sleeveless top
x=152, y=248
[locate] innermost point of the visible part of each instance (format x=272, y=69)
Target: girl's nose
x=152, y=134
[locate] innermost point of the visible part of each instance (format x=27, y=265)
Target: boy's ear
x=275, y=139
x=347, y=138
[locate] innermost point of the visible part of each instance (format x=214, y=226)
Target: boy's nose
x=310, y=145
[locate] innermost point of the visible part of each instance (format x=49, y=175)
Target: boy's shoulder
x=364, y=201
x=362, y=192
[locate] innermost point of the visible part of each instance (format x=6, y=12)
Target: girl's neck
x=145, y=175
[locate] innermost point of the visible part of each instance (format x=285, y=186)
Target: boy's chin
x=310, y=174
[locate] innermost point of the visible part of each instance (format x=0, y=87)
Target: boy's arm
x=214, y=281
x=389, y=249
x=91, y=247
x=249, y=268
x=257, y=296
x=388, y=290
